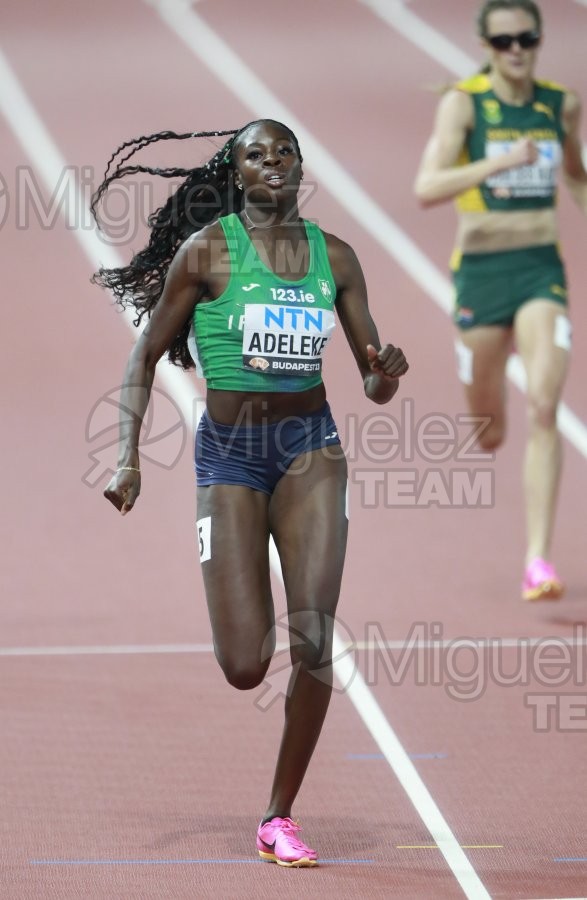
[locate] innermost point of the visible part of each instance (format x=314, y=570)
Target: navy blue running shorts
x=257, y=456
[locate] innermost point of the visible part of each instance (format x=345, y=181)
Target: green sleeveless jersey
x=265, y=333
x=497, y=126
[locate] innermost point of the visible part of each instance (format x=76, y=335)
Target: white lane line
x=40, y=147
x=407, y=23
x=407, y=774
x=214, y=53
x=107, y=650
x=468, y=643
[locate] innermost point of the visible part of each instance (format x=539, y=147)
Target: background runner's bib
x=536, y=180
x=265, y=333
x=497, y=127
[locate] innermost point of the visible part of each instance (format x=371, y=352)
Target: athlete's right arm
x=184, y=285
x=439, y=177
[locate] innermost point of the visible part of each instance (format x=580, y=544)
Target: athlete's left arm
x=380, y=367
x=574, y=169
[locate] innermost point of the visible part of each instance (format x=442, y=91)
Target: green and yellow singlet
x=497, y=126
x=265, y=333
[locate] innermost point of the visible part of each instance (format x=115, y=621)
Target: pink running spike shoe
x=277, y=841
x=541, y=582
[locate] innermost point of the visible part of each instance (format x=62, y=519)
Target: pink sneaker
x=541, y=582
x=277, y=841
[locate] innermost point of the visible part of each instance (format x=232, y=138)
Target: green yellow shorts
x=491, y=287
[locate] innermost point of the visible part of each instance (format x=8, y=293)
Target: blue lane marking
x=411, y=755
x=570, y=859
x=428, y=755
x=172, y=862
x=365, y=756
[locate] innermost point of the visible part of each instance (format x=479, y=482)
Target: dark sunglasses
x=526, y=39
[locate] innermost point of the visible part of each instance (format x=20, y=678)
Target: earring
x=240, y=187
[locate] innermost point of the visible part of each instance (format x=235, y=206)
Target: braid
x=206, y=193
x=137, y=144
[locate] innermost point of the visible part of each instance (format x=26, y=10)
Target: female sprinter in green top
x=235, y=282
x=499, y=140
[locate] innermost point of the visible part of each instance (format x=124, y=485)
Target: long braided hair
x=207, y=192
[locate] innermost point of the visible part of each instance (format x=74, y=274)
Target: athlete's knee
x=542, y=413
x=492, y=435
x=492, y=440
x=244, y=674
x=311, y=634
x=488, y=417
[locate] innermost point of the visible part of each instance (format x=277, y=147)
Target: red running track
x=129, y=768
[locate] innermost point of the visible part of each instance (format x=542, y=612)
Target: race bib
x=537, y=180
x=282, y=339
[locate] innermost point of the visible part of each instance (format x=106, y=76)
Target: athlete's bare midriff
x=247, y=408
x=491, y=232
